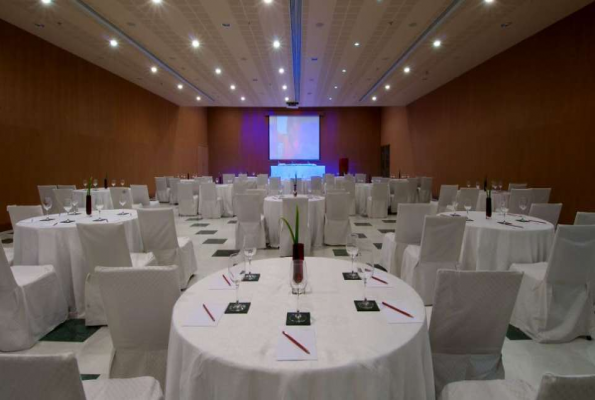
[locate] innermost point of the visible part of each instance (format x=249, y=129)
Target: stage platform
x=304, y=171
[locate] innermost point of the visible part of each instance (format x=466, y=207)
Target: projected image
x=294, y=137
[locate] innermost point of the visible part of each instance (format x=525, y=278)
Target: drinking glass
x=523, y=204
x=122, y=182
x=500, y=185
x=236, y=269
x=123, y=199
x=352, y=249
x=85, y=183
x=249, y=249
x=113, y=183
x=477, y=184
x=504, y=208
x=95, y=183
x=366, y=271
x=75, y=203
x=468, y=207
x=468, y=184
x=67, y=207
x=298, y=279
x=455, y=206
x=47, y=206
x=99, y=207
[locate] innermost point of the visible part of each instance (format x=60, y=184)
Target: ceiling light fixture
x=284, y=87
x=276, y=44
x=287, y=99
x=386, y=87
x=113, y=43
x=281, y=71
x=489, y=1
x=406, y=70
x=356, y=44
x=46, y=1
x=437, y=43
x=336, y=87
x=233, y=87
x=374, y=98
x=195, y=44
x=344, y=71
x=242, y=98
x=198, y=98
x=330, y=98
x=154, y=69
x=180, y=86
x=267, y=1
x=156, y=1
x=218, y=71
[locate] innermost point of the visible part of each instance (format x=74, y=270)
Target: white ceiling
x=243, y=50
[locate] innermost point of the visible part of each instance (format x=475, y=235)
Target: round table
x=38, y=243
x=359, y=354
x=273, y=207
x=491, y=246
x=103, y=194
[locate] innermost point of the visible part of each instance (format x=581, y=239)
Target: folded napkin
x=289, y=351
x=199, y=316
x=395, y=317
x=218, y=282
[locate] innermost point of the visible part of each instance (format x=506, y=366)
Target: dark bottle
x=489, y=206
x=105, y=182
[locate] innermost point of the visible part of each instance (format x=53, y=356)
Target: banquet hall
x=289, y=199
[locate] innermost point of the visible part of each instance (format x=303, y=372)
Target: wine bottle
x=105, y=182
x=399, y=174
x=88, y=199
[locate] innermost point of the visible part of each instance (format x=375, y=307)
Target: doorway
x=385, y=160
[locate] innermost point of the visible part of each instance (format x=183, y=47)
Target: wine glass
x=366, y=271
x=95, y=183
x=468, y=184
x=67, y=207
x=504, y=208
x=122, y=182
x=280, y=190
x=500, y=186
x=249, y=249
x=47, y=206
x=99, y=207
x=477, y=185
x=352, y=249
x=75, y=203
x=523, y=204
x=298, y=279
x=85, y=183
x=113, y=183
x=236, y=269
x=122, y=200
x=455, y=206
x=468, y=207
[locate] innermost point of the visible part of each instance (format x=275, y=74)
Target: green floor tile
x=6, y=241
x=389, y=221
x=73, y=330
x=88, y=377
x=360, y=235
x=214, y=241
x=362, y=224
x=224, y=253
x=378, y=246
x=386, y=230
x=515, y=333
x=206, y=232
x=233, y=222
x=340, y=253
x=193, y=219
x=202, y=225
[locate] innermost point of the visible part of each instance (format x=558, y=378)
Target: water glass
x=47, y=206
x=352, y=249
x=298, y=279
x=366, y=271
x=249, y=248
x=236, y=269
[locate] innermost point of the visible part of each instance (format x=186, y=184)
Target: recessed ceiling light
x=281, y=71
x=267, y=1
x=276, y=43
x=156, y=1
x=406, y=70
x=180, y=86
x=284, y=87
x=154, y=69
x=287, y=99
x=46, y=1
x=195, y=44
x=232, y=87
x=330, y=98
x=218, y=71
x=336, y=87
x=374, y=98
x=344, y=71
x=386, y=87
x=113, y=43
x=356, y=44
x=242, y=98
x=197, y=98
x=437, y=43
x=489, y=1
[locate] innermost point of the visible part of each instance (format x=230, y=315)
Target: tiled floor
x=214, y=239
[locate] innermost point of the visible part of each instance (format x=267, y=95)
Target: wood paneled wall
x=238, y=139
x=526, y=115
x=63, y=119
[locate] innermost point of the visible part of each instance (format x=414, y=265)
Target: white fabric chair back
x=556, y=387
x=376, y=179
x=581, y=218
x=548, y=212
x=442, y=239
x=468, y=196
x=329, y=179
x=262, y=194
x=516, y=186
x=541, y=195
x=158, y=229
x=316, y=184
x=73, y=187
x=379, y=192
x=248, y=207
x=349, y=178
x=360, y=178
x=173, y=187
x=274, y=183
x=168, y=179
x=572, y=258
x=447, y=194
x=117, y=193
x=196, y=186
x=239, y=187
x=410, y=222
x=337, y=206
x=425, y=190
x=61, y=195
x=19, y=213
x=262, y=181
x=413, y=185
x=400, y=188
x=208, y=192
x=349, y=187
x=48, y=191
x=140, y=195
x=161, y=186
x=470, y=318
x=185, y=191
x=206, y=179
x=7, y=280
x=104, y=245
x=47, y=377
x=243, y=176
x=515, y=198
x=228, y=178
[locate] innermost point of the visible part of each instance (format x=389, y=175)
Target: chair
x=337, y=227
x=32, y=304
x=158, y=231
x=408, y=230
x=541, y=195
x=376, y=204
x=48, y=191
x=139, y=320
x=250, y=220
x=239, y=187
x=187, y=200
x=468, y=196
x=441, y=242
x=555, y=300
x=288, y=212
x=329, y=179
x=360, y=178
x=243, y=176
x=105, y=245
x=262, y=181
x=548, y=212
x=400, y=188
x=173, y=190
x=469, y=322
x=196, y=187
x=118, y=194
x=516, y=186
x=552, y=387
x=349, y=187
x=581, y=218
x=376, y=179
x=162, y=192
x=140, y=195
x=262, y=194
x=20, y=213
x=206, y=179
x=228, y=178
x=413, y=185
x=209, y=204
x=73, y=187
x=425, y=190
x=316, y=185
x=447, y=195
x=57, y=377
x=514, y=201
x=274, y=185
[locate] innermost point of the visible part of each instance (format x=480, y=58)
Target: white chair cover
x=187, y=200
x=289, y=209
x=469, y=322
x=360, y=178
x=377, y=179
x=408, y=230
x=556, y=387
x=173, y=190
x=329, y=179
x=139, y=320
x=158, y=231
x=581, y=218
x=376, y=205
x=468, y=196
x=250, y=220
x=425, y=190
x=274, y=185
x=61, y=195
x=316, y=185
x=548, y=212
x=228, y=178
x=73, y=187
x=20, y=213
x=117, y=193
x=262, y=194
x=196, y=186
x=400, y=189
x=413, y=185
x=104, y=245
x=57, y=377
x=239, y=187
x=515, y=199
x=337, y=227
x=441, y=242
x=209, y=205
x=541, y=195
x=140, y=195
x=555, y=301
x=498, y=389
x=48, y=191
x=32, y=303
x=162, y=192
x=516, y=186
x=349, y=187
x=207, y=179
x=447, y=194
x=262, y=181
x=243, y=176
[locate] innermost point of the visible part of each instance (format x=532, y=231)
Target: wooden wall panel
x=63, y=119
x=526, y=115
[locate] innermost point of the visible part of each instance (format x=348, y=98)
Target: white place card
x=219, y=282
x=199, y=316
x=380, y=279
x=395, y=317
x=289, y=351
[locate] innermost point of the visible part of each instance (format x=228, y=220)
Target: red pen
x=298, y=344
x=225, y=277
x=397, y=310
x=380, y=280
x=208, y=312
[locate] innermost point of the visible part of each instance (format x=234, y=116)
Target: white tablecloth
x=360, y=355
x=490, y=246
x=39, y=243
x=104, y=194
x=273, y=207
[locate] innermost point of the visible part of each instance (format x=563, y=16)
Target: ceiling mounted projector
x=292, y=104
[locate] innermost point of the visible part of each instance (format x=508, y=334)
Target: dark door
x=385, y=160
